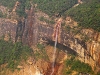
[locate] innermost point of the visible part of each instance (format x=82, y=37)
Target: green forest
x=12, y=54
x=53, y=7
x=73, y=64
x=86, y=14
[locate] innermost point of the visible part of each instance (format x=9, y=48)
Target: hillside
x=86, y=14
x=54, y=7
x=49, y=37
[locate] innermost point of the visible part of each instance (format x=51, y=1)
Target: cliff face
x=37, y=32
x=8, y=29
x=32, y=31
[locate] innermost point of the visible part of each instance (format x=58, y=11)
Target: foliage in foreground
x=12, y=54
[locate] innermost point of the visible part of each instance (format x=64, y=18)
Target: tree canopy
x=52, y=7
x=87, y=14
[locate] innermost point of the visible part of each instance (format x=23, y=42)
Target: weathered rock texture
x=32, y=31
x=8, y=29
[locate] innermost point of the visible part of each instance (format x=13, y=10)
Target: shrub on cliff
x=73, y=64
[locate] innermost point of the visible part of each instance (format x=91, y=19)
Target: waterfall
x=56, y=34
x=54, y=53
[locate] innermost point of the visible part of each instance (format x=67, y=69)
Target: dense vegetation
x=73, y=64
x=51, y=7
x=87, y=14
x=46, y=20
x=24, y=4
x=54, y=7
x=13, y=54
x=8, y=3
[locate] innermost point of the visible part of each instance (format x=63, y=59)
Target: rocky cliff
x=31, y=31
x=85, y=43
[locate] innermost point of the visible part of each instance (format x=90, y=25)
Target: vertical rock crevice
x=19, y=30
x=30, y=33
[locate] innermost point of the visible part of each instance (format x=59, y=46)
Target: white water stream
x=54, y=53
